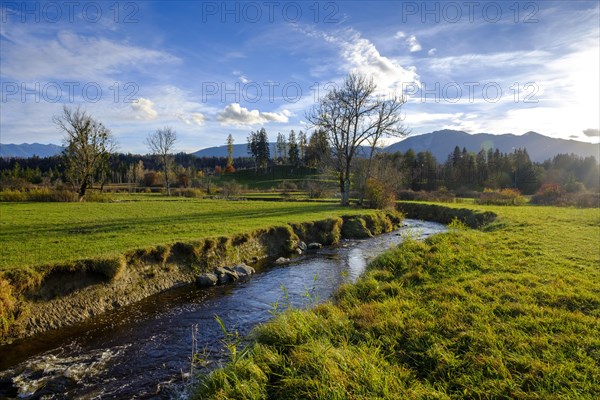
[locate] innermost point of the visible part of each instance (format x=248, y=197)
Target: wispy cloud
x=361, y=55
x=494, y=60
x=243, y=78
x=192, y=119
x=68, y=55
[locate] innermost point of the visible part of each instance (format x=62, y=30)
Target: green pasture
x=34, y=234
x=509, y=311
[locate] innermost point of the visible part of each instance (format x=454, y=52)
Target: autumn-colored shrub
x=377, y=195
x=548, y=194
x=504, y=197
x=552, y=194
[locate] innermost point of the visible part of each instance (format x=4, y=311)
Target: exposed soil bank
x=63, y=295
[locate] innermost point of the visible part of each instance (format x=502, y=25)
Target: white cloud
x=591, y=132
x=432, y=52
x=174, y=103
x=413, y=44
x=192, y=119
x=235, y=115
x=411, y=41
x=144, y=109
x=362, y=56
x=170, y=105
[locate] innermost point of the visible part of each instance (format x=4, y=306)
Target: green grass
x=34, y=234
x=511, y=311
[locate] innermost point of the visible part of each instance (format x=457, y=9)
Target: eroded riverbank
x=60, y=295
x=143, y=349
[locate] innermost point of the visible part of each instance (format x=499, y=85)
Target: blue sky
x=209, y=69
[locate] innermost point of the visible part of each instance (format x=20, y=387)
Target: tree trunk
x=82, y=190
x=346, y=183
x=342, y=185
x=346, y=192
x=167, y=182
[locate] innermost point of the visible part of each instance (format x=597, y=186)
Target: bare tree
x=389, y=123
x=161, y=144
x=353, y=115
x=88, y=143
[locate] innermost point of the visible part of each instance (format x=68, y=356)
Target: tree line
x=410, y=170
x=347, y=125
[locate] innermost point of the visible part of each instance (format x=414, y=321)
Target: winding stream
x=143, y=350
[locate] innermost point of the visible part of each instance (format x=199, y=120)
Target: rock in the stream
x=299, y=251
x=226, y=275
x=302, y=246
x=282, y=260
x=243, y=270
x=207, y=279
x=314, y=246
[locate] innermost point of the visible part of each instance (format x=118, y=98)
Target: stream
x=143, y=350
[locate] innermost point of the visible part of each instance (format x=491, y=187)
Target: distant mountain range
x=241, y=150
x=26, y=150
x=439, y=143
x=539, y=147
x=442, y=143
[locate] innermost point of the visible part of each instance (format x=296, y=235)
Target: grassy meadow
x=34, y=234
x=511, y=310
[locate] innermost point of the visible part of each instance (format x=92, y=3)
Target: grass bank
x=511, y=310
x=98, y=256
x=34, y=234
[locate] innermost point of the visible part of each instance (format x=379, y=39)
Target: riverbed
x=144, y=350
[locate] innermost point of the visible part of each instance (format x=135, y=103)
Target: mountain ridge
x=27, y=150
x=540, y=148
x=440, y=143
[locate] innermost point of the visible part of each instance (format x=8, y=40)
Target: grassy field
x=46, y=233
x=508, y=311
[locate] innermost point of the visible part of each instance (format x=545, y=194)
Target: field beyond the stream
x=36, y=234
x=511, y=310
